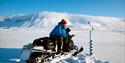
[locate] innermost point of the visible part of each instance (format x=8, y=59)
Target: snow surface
x=50, y=19
x=21, y=29
x=109, y=46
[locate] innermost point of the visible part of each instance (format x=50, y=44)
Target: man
x=59, y=34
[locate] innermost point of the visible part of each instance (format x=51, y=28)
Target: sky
x=114, y=8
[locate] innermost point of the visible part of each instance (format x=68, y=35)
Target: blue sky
x=114, y=8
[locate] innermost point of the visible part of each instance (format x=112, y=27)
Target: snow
x=109, y=46
x=50, y=19
x=15, y=60
x=108, y=35
x=78, y=59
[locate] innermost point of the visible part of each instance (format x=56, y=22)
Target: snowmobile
x=41, y=50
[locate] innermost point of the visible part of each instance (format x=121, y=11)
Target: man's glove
x=68, y=29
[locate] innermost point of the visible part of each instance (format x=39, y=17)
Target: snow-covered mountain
x=21, y=29
x=50, y=19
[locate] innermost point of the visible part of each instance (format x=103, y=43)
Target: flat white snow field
x=108, y=46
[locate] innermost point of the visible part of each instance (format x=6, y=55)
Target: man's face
x=64, y=25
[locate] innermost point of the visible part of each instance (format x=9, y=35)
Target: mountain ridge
x=50, y=19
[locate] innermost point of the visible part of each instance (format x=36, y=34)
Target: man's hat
x=63, y=21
